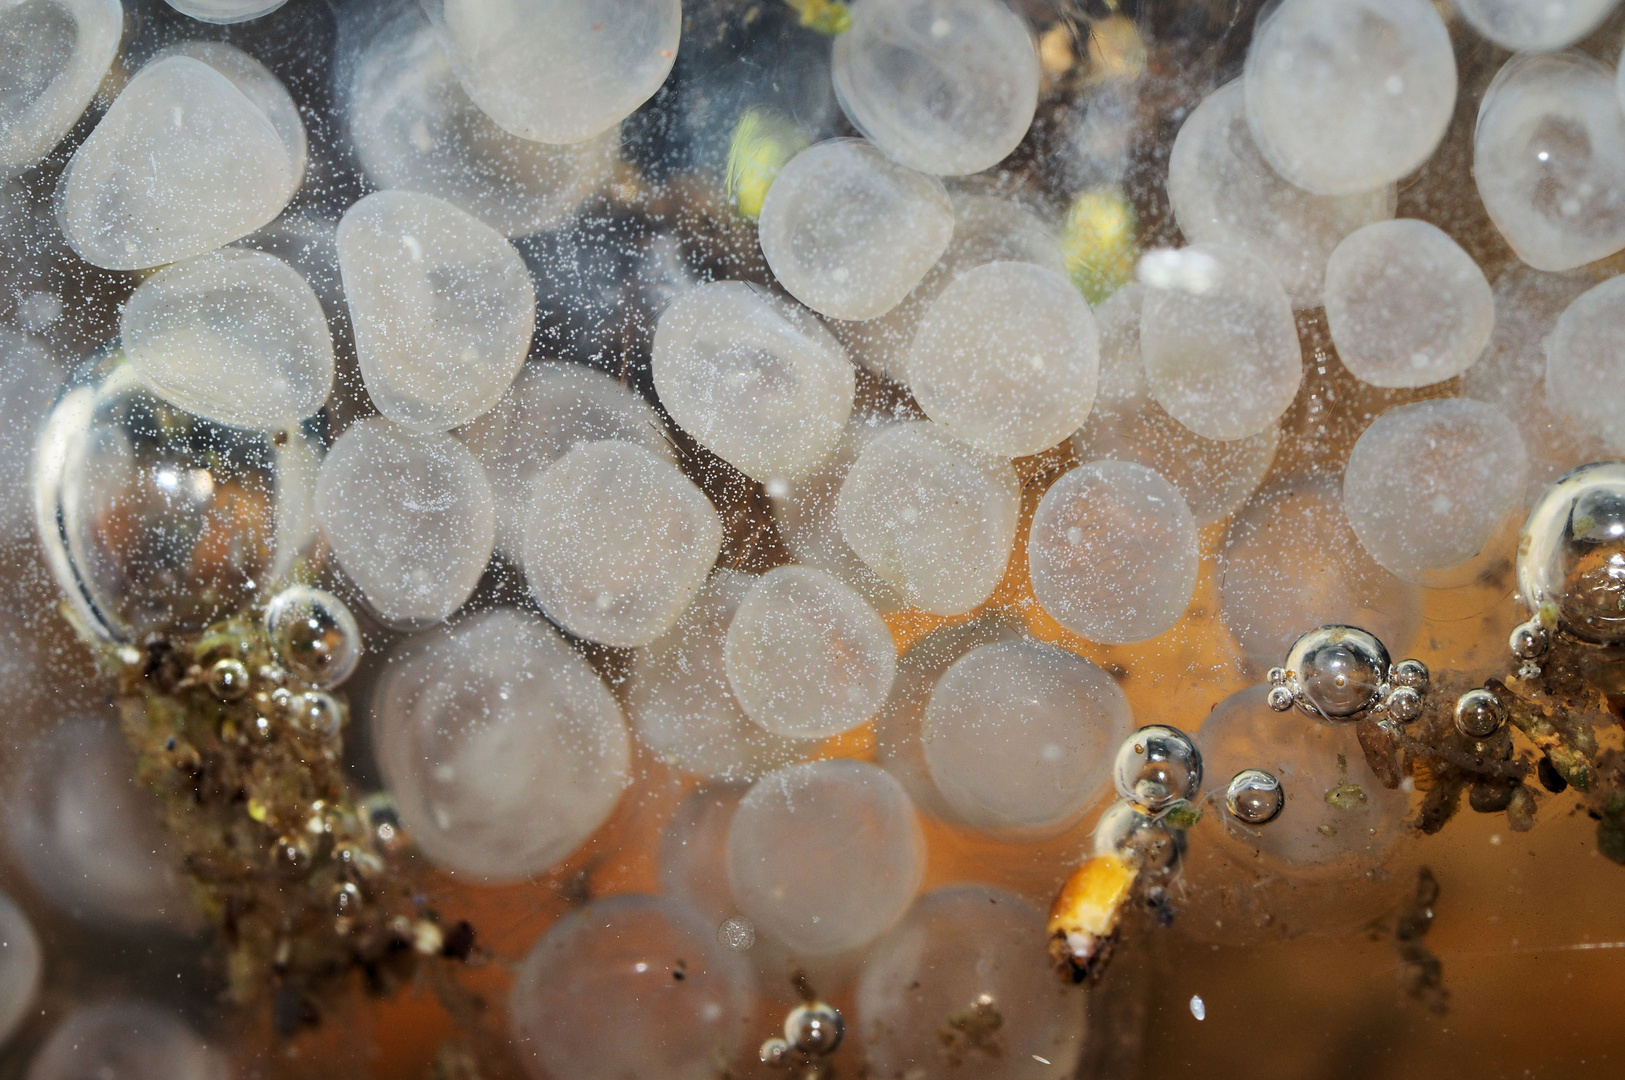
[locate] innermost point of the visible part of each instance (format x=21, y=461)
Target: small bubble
x=314, y=635
x=815, y=1027
x=228, y=679
x=737, y=933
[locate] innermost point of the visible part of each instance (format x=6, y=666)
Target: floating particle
x=562, y=71
x=825, y=856
x=1344, y=97
x=932, y=516
x=410, y=518
x=630, y=986
x=736, y=933
x=1198, y=1009
x=22, y=962
x=442, y=305
x=550, y=409
x=618, y=542
x=126, y=1040
x=1585, y=372
x=1224, y=192
x=1549, y=159
x=1113, y=552
x=679, y=700
x=1006, y=358
x=1523, y=27
x=1214, y=477
x=502, y=748
x=1218, y=339
x=806, y=656
x=1571, y=552
x=1157, y=767
x=1428, y=484
x=415, y=128
x=943, y=86
x=183, y=321
x=314, y=635
x=1018, y=737
x=57, y=54
x=848, y=232
x=756, y=379
x=29, y=377
x=1406, y=306
x=960, y=976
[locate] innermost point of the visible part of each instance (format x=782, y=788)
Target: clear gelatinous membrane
x=87, y=837
x=618, y=542
x=561, y=71
x=225, y=11
x=1585, y=370
x=1224, y=192
x=630, y=986
x=931, y=515
x=550, y=409
x=22, y=962
x=442, y=306
x=1127, y=424
x=502, y=747
x=755, y=379
x=1428, y=484
x=144, y=190
x=848, y=232
x=55, y=54
x=410, y=518
x=1290, y=561
x=127, y=1040
x=1571, y=554
x=806, y=656
x=1344, y=96
x=943, y=86
x=261, y=87
x=825, y=856
x=1549, y=159
x=1007, y=358
x=1113, y=552
x=1524, y=27
x=415, y=128
x=29, y=377
x=1406, y=306
x=957, y=990
x=1018, y=736
x=153, y=520
x=680, y=702
x=183, y=323
x=1218, y=339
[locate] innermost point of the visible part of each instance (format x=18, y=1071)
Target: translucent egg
x=1549, y=159
x=503, y=749
x=1406, y=306
x=88, y=837
x=443, y=308
x=1344, y=97
x=561, y=71
x=551, y=408
x=1525, y=27
x=58, y=52
x=825, y=856
x=1006, y=358
x=630, y=986
x=314, y=635
x=679, y=700
x=260, y=86
x=415, y=128
x=693, y=854
x=1290, y=561
x=29, y=377
x=1113, y=552
x=1428, y=484
x=930, y=515
x=1224, y=192
x=225, y=11
x=1019, y=736
x=156, y=521
x=849, y=232
x=757, y=380
x=806, y=656
x=957, y=990
x=1585, y=372
x=943, y=86
x=127, y=1040
x=410, y=518
x=1571, y=554
x=143, y=190
x=246, y=305
x=1215, y=478
x=618, y=542
x=22, y=963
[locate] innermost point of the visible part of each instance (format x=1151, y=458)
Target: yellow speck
x=826, y=16
x=1097, y=241
x=762, y=142
x=1083, y=920
x=258, y=810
